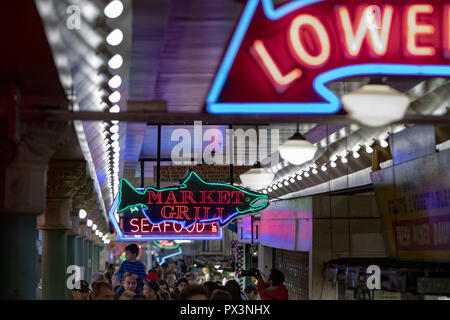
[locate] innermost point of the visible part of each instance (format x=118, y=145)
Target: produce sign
x=280, y=59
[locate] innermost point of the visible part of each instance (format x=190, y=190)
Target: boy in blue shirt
x=131, y=264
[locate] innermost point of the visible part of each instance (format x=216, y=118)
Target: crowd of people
x=171, y=282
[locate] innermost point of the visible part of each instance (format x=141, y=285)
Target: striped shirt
x=132, y=267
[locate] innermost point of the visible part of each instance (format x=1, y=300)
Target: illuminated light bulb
x=82, y=214
x=115, y=121
x=115, y=37
x=115, y=82
x=115, y=62
x=114, y=109
x=306, y=174
x=114, y=145
x=286, y=183
x=355, y=155
x=344, y=160
x=323, y=168
x=114, y=128
x=264, y=191
x=384, y=143
x=280, y=185
x=113, y=9
x=100, y=234
x=114, y=97
x=275, y=187
x=89, y=223
x=116, y=149
x=115, y=137
x=94, y=226
x=333, y=164
x=314, y=171
x=297, y=149
x=292, y=180
x=257, y=177
x=369, y=149
x=376, y=105
x=299, y=177
x=269, y=189
x=333, y=158
x=96, y=232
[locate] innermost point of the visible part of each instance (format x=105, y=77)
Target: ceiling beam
x=154, y=118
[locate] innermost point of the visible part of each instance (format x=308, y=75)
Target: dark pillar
x=18, y=268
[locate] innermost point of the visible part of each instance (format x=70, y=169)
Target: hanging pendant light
x=297, y=149
x=257, y=177
x=376, y=104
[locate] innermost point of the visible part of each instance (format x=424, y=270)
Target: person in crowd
x=171, y=280
x=251, y=291
x=193, y=292
x=102, y=291
x=151, y=290
x=152, y=275
x=274, y=289
x=220, y=294
x=182, y=268
x=81, y=290
x=131, y=264
x=97, y=277
x=127, y=295
x=179, y=287
x=115, y=282
x=210, y=286
x=130, y=283
x=233, y=287
x=109, y=272
x=163, y=285
x=164, y=295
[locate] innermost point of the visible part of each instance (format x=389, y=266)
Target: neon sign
x=166, y=244
x=280, y=59
x=133, y=225
x=192, y=201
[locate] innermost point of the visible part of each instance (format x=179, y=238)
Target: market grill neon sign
x=193, y=201
x=280, y=59
x=133, y=225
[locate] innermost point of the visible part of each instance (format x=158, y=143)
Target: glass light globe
x=115, y=109
x=384, y=143
x=114, y=9
x=82, y=214
x=115, y=82
x=89, y=223
x=256, y=178
x=115, y=62
x=94, y=227
x=375, y=105
x=297, y=149
x=115, y=37
x=114, y=97
x=369, y=149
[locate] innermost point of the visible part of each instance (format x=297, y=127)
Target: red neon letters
x=388, y=32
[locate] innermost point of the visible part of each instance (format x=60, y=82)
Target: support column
x=70, y=260
x=26, y=148
x=65, y=178
x=18, y=241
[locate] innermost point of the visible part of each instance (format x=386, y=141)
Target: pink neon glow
x=414, y=29
x=281, y=82
x=378, y=39
x=297, y=46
